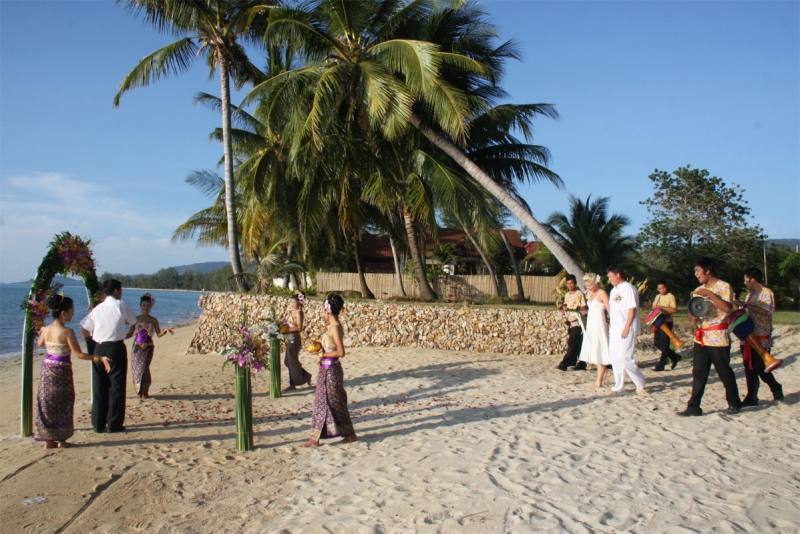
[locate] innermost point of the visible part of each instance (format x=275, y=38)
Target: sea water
x=172, y=308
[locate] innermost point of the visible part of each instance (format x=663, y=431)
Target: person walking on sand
x=712, y=342
x=297, y=375
x=573, y=307
x=595, y=342
x=330, y=417
x=760, y=305
x=107, y=323
x=666, y=302
x=143, y=348
x=622, y=331
x=55, y=397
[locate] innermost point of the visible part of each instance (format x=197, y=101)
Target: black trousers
x=757, y=372
x=108, y=405
x=702, y=359
x=662, y=342
x=574, y=342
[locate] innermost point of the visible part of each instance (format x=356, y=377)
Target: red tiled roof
x=377, y=247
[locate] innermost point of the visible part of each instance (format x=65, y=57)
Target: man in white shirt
x=622, y=331
x=107, y=323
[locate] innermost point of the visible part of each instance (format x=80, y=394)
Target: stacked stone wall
x=389, y=324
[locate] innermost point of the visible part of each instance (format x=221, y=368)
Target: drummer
x=712, y=344
x=666, y=302
x=760, y=305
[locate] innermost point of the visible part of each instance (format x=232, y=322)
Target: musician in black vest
x=107, y=323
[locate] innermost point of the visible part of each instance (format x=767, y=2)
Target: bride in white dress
x=595, y=340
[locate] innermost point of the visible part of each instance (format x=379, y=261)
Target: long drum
x=657, y=320
x=742, y=326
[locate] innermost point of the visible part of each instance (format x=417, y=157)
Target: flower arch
x=68, y=255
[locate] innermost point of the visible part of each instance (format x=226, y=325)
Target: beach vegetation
x=217, y=31
x=694, y=214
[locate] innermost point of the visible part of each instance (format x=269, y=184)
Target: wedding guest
x=573, y=307
x=330, y=417
x=594, y=349
x=622, y=331
x=55, y=398
x=760, y=305
x=107, y=323
x=666, y=302
x=712, y=342
x=297, y=375
x=143, y=347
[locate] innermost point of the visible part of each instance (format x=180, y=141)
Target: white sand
x=449, y=442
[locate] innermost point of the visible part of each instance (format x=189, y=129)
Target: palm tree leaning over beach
x=367, y=56
x=213, y=28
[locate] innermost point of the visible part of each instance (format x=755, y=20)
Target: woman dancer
x=297, y=375
x=55, y=399
x=145, y=328
x=595, y=341
x=331, y=417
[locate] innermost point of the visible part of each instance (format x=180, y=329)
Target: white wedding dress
x=595, y=339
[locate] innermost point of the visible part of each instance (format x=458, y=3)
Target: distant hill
x=58, y=279
x=790, y=242
x=202, y=267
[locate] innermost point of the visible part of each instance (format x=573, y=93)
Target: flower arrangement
x=248, y=350
x=76, y=254
x=39, y=310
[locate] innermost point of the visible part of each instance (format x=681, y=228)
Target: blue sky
x=639, y=86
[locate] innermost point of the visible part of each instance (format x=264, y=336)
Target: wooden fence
x=384, y=286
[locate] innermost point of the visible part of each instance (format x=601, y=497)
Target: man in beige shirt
x=666, y=302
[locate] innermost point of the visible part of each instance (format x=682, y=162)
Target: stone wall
x=389, y=324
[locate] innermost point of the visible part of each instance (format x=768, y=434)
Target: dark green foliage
x=693, y=214
x=592, y=236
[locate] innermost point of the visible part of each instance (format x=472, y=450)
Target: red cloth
x=747, y=351
x=698, y=334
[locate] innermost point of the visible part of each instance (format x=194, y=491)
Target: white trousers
x=621, y=353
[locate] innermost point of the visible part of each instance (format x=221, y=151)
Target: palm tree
x=595, y=238
x=213, y=28
x=366, y=56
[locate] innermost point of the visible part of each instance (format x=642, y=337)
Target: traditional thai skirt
x=330, y=417
x=140, y=361
x=55, y=400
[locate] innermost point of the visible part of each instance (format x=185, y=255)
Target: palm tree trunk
x=230, y=186
x=365, y=292
x=483, y=256
x=397, y=272
x=495, y=190
x=515, y=263
x=426, y=292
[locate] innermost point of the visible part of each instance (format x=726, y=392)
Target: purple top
x=143, y=337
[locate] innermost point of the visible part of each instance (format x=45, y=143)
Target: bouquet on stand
x=276, y=331
x=246, y=353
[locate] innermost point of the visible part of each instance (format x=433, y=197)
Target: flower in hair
x=327, y=306
x=301, y=298
x=597, y=278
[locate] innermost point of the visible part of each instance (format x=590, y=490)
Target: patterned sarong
x=140, y=361
x=330, y=417
x=140, y=367
x=55, y=400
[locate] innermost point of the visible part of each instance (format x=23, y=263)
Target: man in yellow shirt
x=666, y=302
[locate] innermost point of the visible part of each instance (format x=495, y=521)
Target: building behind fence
x=384, y=286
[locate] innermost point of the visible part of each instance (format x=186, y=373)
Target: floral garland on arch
x=68, y=255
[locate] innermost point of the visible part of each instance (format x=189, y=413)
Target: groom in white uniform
x=622, y=331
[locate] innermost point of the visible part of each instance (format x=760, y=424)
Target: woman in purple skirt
x=143, y=348
x=331, y=418
x=55, y=398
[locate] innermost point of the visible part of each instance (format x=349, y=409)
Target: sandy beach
x=449, y=442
